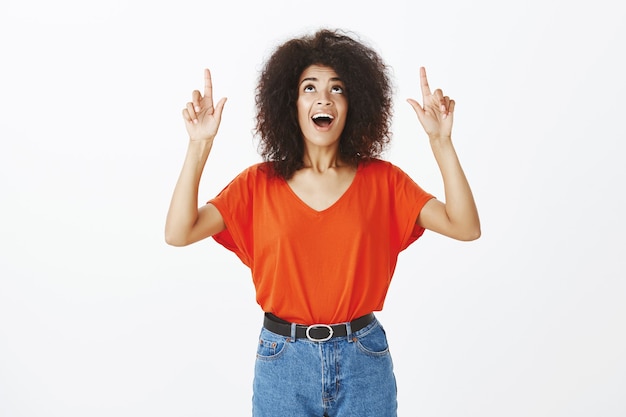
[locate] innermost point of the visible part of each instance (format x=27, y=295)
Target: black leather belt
x=315, y=332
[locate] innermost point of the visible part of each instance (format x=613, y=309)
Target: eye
x=337, y=89
x=309, y=89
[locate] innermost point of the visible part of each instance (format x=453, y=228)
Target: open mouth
x=322, y=119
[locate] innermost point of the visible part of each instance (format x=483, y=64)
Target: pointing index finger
x=424, y=82
x=208, y=86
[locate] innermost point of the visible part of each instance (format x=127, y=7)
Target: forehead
x=319, y=72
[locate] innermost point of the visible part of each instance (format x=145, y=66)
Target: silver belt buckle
x=330, y=332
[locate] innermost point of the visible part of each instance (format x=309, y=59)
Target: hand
x=202, y=120
x=437, y=112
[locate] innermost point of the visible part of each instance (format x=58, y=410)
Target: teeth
x=316, y=116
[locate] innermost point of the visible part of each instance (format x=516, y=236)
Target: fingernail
x=197, y=108
x=195, y=121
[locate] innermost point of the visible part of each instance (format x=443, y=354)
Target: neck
x=322, y=163
x=322, y=159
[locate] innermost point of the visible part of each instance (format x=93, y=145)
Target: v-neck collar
x=337, y=202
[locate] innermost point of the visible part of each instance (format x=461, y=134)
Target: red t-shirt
x=326, y=266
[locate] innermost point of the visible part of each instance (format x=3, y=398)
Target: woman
x=322, y=220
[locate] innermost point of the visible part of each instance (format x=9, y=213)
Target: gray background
x=99, y=317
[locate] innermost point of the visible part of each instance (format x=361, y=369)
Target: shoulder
x=380, y=167
x=257, y=172
x=374, y=164
x=386, y=174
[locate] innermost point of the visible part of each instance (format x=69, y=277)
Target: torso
x=322, y=248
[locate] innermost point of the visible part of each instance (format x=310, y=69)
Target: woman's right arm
x=186, y=223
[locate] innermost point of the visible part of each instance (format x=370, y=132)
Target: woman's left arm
x=458, y=216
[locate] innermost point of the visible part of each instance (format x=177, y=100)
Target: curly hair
x=368, y=89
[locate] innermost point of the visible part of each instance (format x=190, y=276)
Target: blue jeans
x=342, y=377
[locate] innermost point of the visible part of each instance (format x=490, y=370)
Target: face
x=322, y=106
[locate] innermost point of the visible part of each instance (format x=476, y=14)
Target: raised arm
x=458, y=216
x=186, y=223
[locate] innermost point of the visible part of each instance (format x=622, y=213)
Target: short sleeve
x=409, y=199
x=235, y=204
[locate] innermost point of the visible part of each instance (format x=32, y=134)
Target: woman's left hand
x=437, y=112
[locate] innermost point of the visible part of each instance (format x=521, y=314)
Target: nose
x=324, y=99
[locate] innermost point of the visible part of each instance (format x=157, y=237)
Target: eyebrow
x=316, y=79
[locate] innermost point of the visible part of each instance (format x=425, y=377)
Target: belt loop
x=349, y=332
x=293, y=332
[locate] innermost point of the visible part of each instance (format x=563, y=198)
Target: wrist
x=434, y=139
x=200, y=144
x=199, y=148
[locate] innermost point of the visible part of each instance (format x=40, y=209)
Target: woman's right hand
x=202, y=119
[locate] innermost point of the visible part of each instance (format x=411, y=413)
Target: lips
x=322, y=119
